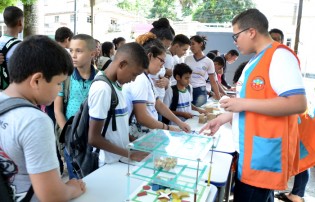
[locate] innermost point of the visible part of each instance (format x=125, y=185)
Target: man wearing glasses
x=270, y=94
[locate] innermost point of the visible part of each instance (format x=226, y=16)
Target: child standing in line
x=28, y=136
x=182, y=74
x=130, y=61
x=82, y=50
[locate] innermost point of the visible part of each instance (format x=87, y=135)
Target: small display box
x=174, y=160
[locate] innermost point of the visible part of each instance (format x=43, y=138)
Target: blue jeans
x=247, y=193
x=199, y=96
x=68, y=160
x=300, y=181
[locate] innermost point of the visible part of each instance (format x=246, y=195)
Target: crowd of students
x=146, y=76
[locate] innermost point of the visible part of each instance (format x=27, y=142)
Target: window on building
x=89, y=19
x=56, y=18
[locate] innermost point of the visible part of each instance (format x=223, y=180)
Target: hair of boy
x=252, y=18
x=239, y=71
x=134, y=52
x=211, y=55
x=277, y=31
x=46, y=56
x=106, y=47
x=233, y=52
x=200, y=39
x=90, y=42
x=215, y=52
x=62, y=33
x=12, y=15
x=181, y=40
x=219, y=60
x=151, y=44
x=116, y=41
x=162, y=29
x=181, y=69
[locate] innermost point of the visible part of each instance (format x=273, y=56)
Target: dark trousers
x=247, y=193
x=300, y=181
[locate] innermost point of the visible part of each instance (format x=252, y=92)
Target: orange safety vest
x=307, y=143
x=268, y=145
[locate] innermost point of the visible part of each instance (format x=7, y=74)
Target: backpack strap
x=66, y=92
x=173, y=104
x=4, y=73
x=113, y=105
x=106, y=64
x=13, y=103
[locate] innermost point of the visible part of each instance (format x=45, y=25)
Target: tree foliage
x=188, y=6
x=163, y=8
x=136, y=7
x=6, y=3
x=219, y=11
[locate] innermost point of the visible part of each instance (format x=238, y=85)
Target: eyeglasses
x=235, y=36
x=161, y=60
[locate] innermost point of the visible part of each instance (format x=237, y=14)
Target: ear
x=253, y=33
x=123, y=64
x=177, y=77
x=149, y=56
x=36, y=79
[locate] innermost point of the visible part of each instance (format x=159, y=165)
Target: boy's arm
x=144, y=118
x=48, y=186
x=221, y=90
x=201, y=111
x=167, y=113
x=96, y=140
x=58, y=109
x=279, y=106
x=214, y=86
x=186, y=115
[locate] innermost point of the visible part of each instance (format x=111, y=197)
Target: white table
x=109, y=184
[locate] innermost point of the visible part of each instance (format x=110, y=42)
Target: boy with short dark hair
x=182, y=74
x=63, y=36
x=129, y=62
x=28, y=136
x=13, y=18
x=76, y=87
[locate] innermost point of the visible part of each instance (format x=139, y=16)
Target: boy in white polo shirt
x=130, y=61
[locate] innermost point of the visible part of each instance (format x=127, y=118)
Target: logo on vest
x=258, y=83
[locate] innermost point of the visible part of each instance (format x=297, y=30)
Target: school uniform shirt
x=99, y=103
x=285, y=78
x=201, y=69
x=27, y=137
x=159, y=91
x=184, y=102
x=141, y=91
x=78, y=91
x=3, y=40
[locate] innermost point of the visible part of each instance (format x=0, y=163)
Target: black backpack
x=4, y=73
x=7, y=167
x=75, y=134
x=174, y=102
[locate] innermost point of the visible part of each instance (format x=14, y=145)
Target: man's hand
x=184, y=126
x=187, y=115
x=213, y=126
x=233, y=104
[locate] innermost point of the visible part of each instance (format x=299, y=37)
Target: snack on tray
x=202, y=118
x=166, y=163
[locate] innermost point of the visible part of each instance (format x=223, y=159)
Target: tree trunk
x=30, y=20
x=298, y=27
